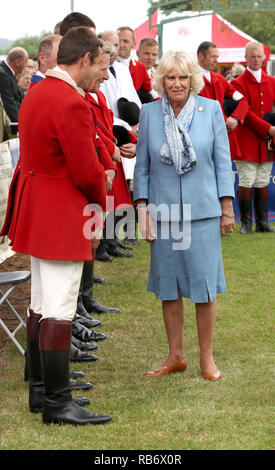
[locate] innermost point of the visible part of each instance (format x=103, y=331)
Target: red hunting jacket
x=103, y=118
x=57, y=175
x=140, y=76
x=219, y=89
x=252, y=134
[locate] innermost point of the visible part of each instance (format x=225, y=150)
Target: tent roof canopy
x=188, y=31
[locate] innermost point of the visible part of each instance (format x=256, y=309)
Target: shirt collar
x=9, y=67
x=58, y=69
x=206, y=73
x=257, y=74
x=40, y=74
x=125, y=61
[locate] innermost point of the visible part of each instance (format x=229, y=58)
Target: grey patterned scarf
x=177, y=149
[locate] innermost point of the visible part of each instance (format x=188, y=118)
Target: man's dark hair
x=76, y=43
x=75, y=19
x=204, y=46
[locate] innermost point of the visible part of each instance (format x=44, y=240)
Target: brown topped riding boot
x=58, y=405
x=245, y=208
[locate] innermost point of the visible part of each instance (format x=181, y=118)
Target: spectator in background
x=24, y=80
x=236, y=70
x=47, y=53
x=31, y=65
x=229, y=105
x=10, y=91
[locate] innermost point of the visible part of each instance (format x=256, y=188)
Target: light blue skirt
x=195, y=271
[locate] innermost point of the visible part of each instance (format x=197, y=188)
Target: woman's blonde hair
x=183, y=62
x=237, y=70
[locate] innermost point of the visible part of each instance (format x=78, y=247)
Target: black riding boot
x=58, y=406
x=245, y=208
x=36, y=383
x=80, y=309
x=261, y=210
x=87, y=280
x=91, y=304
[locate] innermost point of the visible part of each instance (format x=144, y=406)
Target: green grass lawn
x=177, y=412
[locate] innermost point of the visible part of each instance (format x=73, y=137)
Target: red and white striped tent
x=188, y=33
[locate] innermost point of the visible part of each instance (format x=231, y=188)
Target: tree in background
x=29, y=43
x=261, y=26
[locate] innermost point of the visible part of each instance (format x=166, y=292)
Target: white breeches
x=254, y=174
x=55, y=287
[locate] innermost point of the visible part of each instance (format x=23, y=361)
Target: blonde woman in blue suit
x=183, y=188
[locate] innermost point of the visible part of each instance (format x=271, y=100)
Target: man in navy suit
x=11, y=93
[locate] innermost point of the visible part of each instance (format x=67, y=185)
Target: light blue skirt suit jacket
x=194, y=269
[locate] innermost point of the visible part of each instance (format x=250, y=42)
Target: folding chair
x=12, y=279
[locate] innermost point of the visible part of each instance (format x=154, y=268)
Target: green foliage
x=261, y=26
x=30, y=43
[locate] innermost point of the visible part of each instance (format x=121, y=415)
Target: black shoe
x=99, y=280
x=263, y=226
x=123, y=246
x=88, y=322
x=82, y=345
x=75, y=374
x=79, y=356
x=246, y=227
x=88, y=317
x=71, y=413
x=93, y=306
x=130, y=241
x=84, y=334
x=102, y=255
x=82, y=401
x=75, y=385
x=118, y=252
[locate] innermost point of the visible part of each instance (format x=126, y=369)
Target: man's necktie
x=112, y=70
